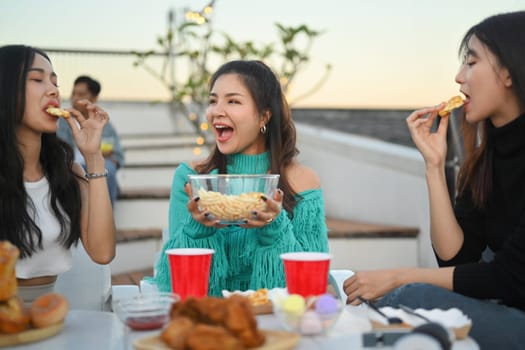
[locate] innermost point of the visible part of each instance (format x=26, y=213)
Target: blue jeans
x=494, y=326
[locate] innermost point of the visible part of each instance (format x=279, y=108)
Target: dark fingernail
x=264, y=198
x=254, y=212
x=245, y=222
x=279, y=190
x=196, y=199
x=206, y=214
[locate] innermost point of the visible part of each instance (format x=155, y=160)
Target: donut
x=14, y=317
x=453, y=103
x=8, y=256
x=48, y=309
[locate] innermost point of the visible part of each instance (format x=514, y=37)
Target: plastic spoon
x=390, y=319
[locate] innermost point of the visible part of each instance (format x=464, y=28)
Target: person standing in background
x=87, y=88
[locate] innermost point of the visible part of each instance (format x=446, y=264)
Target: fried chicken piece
x=208, y=310
x=176, y=332
x=212, y=310
x=233, y=315
x=206, y=337
x=188, y=308
x=241, y=321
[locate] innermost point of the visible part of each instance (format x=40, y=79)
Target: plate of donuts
x=43, y=319
x=18, y=323
x=30, y=335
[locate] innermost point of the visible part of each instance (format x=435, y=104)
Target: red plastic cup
x=190, y=271
x=306, y=273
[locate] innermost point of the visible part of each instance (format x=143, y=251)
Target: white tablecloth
x=95, y=330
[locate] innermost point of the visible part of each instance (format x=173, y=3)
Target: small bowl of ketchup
x=145, y=312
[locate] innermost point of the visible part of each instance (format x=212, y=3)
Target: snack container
x=232, y=199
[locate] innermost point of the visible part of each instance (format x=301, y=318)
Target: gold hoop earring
x=263, y=129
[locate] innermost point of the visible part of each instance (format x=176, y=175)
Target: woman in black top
x=489, y=211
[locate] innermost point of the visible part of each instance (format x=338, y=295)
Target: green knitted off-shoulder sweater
x=244, y=258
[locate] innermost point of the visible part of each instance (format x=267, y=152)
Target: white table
x=88, y=330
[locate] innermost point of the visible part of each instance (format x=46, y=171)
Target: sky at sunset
x=384, y=53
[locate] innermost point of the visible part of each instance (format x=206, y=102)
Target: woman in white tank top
x=47, y=202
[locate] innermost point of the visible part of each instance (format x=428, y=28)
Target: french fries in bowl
x=232, y=199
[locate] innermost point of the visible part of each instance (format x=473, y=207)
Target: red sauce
x=146, y=323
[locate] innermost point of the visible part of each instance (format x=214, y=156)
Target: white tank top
x=54, y=258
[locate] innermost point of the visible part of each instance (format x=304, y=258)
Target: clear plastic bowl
x=312, y=320
x=145, y=311
x=231, y=199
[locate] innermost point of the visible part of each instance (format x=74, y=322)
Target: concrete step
x=141, y=213
x=146, y=177
x=164, y=155
x=163, y=137
x=137, y=250
x=156, y=141
x=135, y=255
x=130, y=193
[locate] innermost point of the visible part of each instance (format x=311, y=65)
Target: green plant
x=196, y=46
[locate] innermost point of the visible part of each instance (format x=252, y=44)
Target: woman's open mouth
x=224, y=132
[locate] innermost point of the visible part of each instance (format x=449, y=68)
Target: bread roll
x=8, y=257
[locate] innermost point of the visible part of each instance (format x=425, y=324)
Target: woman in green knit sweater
x=255, y=134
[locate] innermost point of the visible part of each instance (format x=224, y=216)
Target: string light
x=204, y=126
x=200, y=17
x=197, y=151
x=200, y=140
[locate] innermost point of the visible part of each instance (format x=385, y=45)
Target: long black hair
x=266, y=91
x=503, y=35
x=17, y=223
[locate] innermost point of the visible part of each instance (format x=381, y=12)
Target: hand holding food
x=452, y=103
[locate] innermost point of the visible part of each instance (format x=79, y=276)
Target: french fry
x=230, y=207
